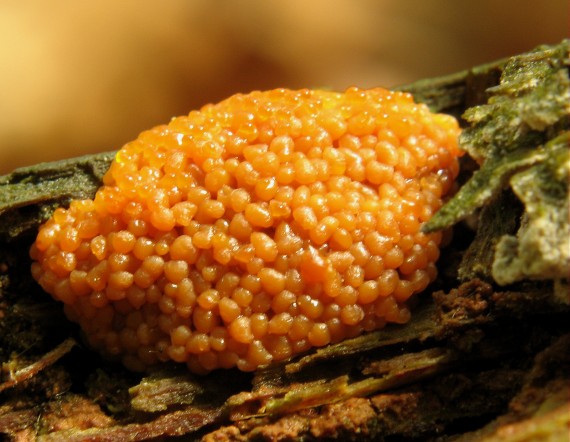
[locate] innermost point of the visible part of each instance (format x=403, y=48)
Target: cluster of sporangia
x=255, y=229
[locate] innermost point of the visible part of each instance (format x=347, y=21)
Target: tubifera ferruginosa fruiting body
x=255, y=229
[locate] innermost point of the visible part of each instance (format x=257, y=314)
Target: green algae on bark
x=520, y=138
x=541, y=249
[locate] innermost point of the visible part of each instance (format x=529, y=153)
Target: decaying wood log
x=478, y=361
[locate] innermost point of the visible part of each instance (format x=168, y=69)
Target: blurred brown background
x=82, y=77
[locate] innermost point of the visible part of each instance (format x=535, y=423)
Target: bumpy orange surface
x=255, y=229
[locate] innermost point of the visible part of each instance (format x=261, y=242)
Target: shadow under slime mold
x=477, y=361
